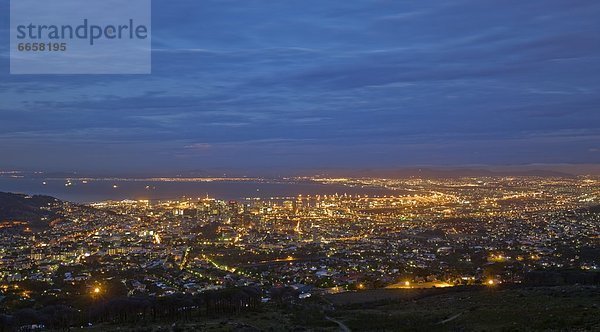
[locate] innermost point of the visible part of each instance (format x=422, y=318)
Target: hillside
x=557, y=308
x=36, y=211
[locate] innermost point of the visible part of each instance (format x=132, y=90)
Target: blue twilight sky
x=278, y=84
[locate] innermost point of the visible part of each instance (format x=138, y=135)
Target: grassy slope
x=565, y=308
x=549, y=308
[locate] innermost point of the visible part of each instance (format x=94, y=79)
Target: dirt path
x=450, y=319
x=342, y=326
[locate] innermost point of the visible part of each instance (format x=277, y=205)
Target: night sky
x=277, y=84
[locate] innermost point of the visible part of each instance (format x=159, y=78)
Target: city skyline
x=272, y=165
x=357, y=255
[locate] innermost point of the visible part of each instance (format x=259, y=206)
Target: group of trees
x=55, y=317
x=176, y=307
x=562, y=277
x=130, y=310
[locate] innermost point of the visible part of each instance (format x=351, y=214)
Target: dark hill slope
x=37, y=210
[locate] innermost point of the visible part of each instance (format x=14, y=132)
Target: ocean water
x=101, y=190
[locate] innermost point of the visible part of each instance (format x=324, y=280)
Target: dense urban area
x=64, y=264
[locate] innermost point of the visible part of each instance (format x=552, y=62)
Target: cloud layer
x=294, y=84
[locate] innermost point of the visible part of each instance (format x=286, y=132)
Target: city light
x=316, y=245
x=300, y=165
